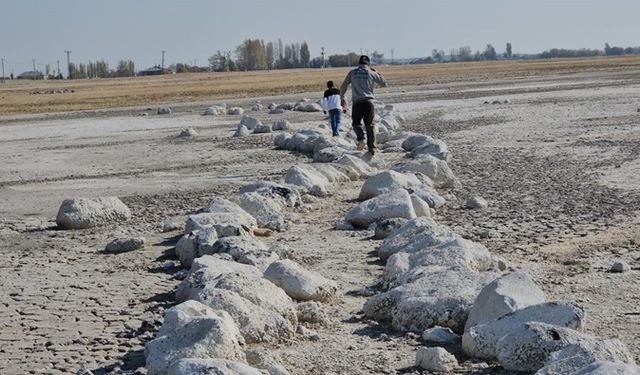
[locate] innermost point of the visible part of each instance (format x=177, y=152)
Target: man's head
x=364, y=60
x=330, y=84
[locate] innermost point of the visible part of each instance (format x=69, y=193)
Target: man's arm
x=345, y=85
x=379, y=79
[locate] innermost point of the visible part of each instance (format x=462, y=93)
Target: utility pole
x=3, y=70
x=34, y=65
x=68, y=65
x=58, y=62
x=391, y=56
x=162, y=66
x=322, y=54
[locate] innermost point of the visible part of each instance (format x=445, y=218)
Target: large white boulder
x=307, y=107
x=387, y=181
x=436, y=169
x=416, y=235
x=441, y=298
x=235, y=111
x=192, y=330
x=355, y=167
x=262, y=129
x=481, y=341
x=528, y=347
x=220, y=211
x=206, y=269
x=308, y=178
x=572, y=358
x=506, y=294
x=243, y=249
x=403, y=267
x=241, y=131
x=414, y=140
x=332, y=173
x=282, y=124
x=250, y=122
x=300, y=283
x=396, y=203
x=188, y=246
x=213, y=366
x=609, y=368
x=435, y=359
x=256, y=322
x=288, y=195
x=82, y=213
x=437, y=149
x=267, y=211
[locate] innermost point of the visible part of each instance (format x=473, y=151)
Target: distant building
x=154, y=71
x=33, y=74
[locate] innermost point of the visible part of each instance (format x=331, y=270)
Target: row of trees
x=255, y=54
x=466, y=54
x=100, y=69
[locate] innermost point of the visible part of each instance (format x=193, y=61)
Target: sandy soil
x=559, y=165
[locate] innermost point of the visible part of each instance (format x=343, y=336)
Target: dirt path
x=556, y=164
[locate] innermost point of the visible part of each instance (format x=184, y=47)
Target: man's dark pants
x=364, y=110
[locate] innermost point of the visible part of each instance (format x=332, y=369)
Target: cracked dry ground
x=559, y=167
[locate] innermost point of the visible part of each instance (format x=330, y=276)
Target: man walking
x=362, y=80
x=331, y=102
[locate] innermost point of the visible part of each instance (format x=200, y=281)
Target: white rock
x=460, y=254
x=481, y=341
x=235, y=111
x=170, y=226
x=476, y=202
x=82, y=213
x=255, y=107
x=193, y=332
x=243, y=249
x=527, y=348
x=187, y=133
x=287, y=194
x=413, y=140
x=396, y=203
x=256, y=322
x=231, y=230
x=206, y=269
x=242, y=131
x=421, y=207
x=331, y=173
x=194, y=366
x=355, y=167
x=276, y=111
x=435, y=359
x=416, y=235
x=282, y=140
x=440, y=335
x=385, y=182
x=578, y=356
x=308, y=178
x=262, y=359
x=250, y=122
x=300, y=283
x=620, y=267
x=188, y=246
x=437, y=148
x=282, y=125
x=122, y=245
x=267, y=211
x=506, y=294
x=164, y=110
x=384, y=228
x=437, y=170
x=609, y=368
x=307, y=107
x=220, y=211
x=441, y=298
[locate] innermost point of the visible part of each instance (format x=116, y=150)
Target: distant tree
x=490, y=52
x=437, y=55
x=613, y=51
x=126, y=68
x=218, y=62
x=305, y=54
x=507, y=52
x=377, y=57
x=270, y=55
x=464, y=54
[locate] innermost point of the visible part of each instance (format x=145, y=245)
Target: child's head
x=330, y=84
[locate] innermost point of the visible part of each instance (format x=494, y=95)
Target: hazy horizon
x=193, y=30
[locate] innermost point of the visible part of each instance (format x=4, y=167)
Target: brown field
x=17, y=97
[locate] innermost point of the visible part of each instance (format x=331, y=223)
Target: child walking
x=331, y=103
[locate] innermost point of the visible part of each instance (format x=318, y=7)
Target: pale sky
x=192, y=30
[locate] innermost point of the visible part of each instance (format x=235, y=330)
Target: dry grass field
x=17, y=98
